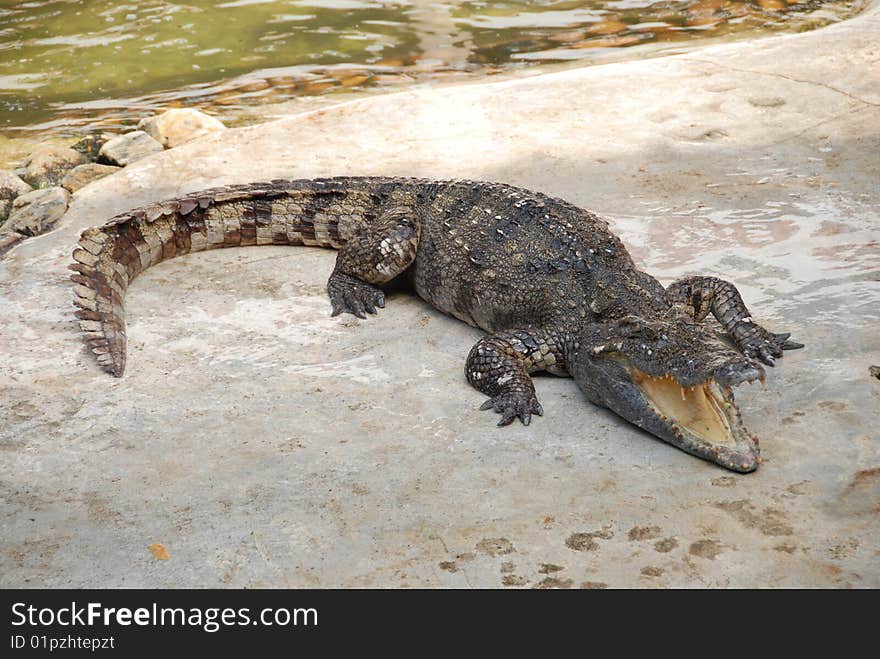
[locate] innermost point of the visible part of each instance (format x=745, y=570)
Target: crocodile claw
x=785, y=344
x=350, y=295
x=513, y=404
x=768, y=346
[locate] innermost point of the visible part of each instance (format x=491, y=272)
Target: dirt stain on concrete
x=99, y=510
x=594, y=585
x=587, y=541
x=651, y=571
x=865, y=476
x=554, y=582
x=785, y=548
x=507, y=567
x=724, y=481
x=770, y=521
x=861, y=496
x=36, y=554
x=495, y=546
x=581, y=542
x=798, y=488
x=665, y=545
x=644, y=533
x=448, y=566
x=513, y=580
x=793, y=418
x=843, y=549
x=766, y=101
x=549, y=568
x=706, y=548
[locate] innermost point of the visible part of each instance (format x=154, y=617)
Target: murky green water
x=68, y=66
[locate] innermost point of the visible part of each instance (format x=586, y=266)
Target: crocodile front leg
x=499, y=366
x=704, y=294
x=376, y=256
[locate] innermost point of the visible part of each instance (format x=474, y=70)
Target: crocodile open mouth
x=701, y=419
x=702, y=410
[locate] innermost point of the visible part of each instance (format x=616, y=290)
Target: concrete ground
x=266, y=444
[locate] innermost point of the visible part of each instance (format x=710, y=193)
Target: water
x=70, y=66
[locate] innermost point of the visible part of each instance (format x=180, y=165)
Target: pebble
x=82, y=175
x=128, y=148
x=36, y=211
x=178, y=126
x=48, y=164
x=11, y=186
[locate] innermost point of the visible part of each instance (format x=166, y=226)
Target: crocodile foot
x=513, y=404
x=766, y=346
x=351, y=295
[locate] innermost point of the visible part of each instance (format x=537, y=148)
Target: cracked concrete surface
x=266, y=444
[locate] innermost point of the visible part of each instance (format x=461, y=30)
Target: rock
x=179, y=125
x=607, y=27
x=11, y=186
x=90, y=145
x=128, y=148
x=47, y=165
x=8, y=240
x=82, y=175
x=33, y=213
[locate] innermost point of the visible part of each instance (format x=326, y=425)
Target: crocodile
x=553, y=288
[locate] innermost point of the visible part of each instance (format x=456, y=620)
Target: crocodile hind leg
x=704, y=294
x=499, y=366
x=374, y=257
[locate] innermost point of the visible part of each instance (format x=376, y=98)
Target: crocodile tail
x=109, y=257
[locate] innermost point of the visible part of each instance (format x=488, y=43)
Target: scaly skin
x=554, y=289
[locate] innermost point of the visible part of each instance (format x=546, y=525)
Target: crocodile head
x=673, y=378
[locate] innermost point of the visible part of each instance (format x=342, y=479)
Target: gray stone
x=48, y=164
x=266, y=444
x=175, y=127
x=11, y=186
x=128, y=148
x=81, y=176
x=35, y=212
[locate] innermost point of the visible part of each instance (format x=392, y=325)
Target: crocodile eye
x=633, y=327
